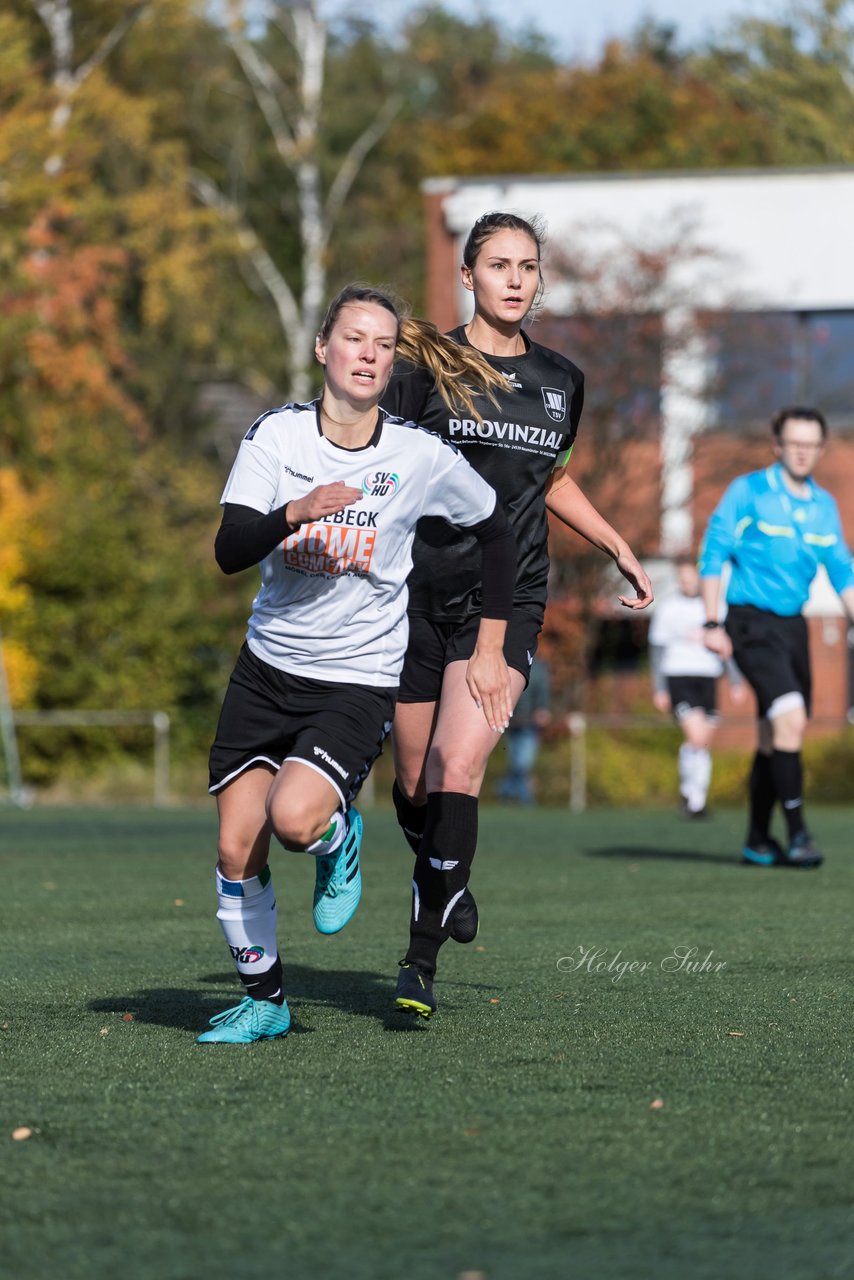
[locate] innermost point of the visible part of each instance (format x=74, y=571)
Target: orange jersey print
x=331, y=549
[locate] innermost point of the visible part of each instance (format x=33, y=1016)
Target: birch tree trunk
x=57, y=17
x=294, y=124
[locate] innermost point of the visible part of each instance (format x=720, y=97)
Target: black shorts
x=432, y=645
x=269, y=716
x=693, y=693
x=772, y=652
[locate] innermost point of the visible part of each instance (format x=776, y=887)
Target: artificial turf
x=512, y=1137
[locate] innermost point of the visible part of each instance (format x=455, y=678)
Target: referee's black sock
x=441, y=873
x=788, y=776
x=763, y=795
x=410, y=817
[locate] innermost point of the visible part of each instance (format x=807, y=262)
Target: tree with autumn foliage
x=108, y=598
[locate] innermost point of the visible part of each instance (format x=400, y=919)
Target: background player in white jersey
x=325, y=496
x=685, y=675
x=520, y=441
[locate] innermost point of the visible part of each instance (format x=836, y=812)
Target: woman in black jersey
x=519, y=440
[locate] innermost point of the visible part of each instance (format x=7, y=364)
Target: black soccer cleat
x=464, y=921
x=414, y=991
x=803, y=853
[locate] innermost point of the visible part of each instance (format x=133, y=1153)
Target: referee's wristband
x=711, y=626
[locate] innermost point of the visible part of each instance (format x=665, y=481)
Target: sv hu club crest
x=380, y=484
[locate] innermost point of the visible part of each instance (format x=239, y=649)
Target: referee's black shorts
x=432, y=645
x=269, y=716
x=772, y=651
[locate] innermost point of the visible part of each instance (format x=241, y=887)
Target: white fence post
x=577, y=762
x=159, y=721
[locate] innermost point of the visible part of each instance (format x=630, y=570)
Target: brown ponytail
x=460, y=373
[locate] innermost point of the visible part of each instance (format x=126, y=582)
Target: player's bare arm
x=565, y=500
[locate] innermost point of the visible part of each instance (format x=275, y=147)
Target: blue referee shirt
x=775, y=542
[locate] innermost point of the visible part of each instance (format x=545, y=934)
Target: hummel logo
x=318, y=751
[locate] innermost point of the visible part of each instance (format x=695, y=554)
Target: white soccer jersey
x=332, y=604
x=677, y=627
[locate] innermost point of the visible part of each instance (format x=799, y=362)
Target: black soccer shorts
x=269, y=716
x=432, y=645
x=693, y=693
x=773, y=653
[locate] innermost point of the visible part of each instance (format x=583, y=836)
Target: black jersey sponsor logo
x=297, y=475
x=555, y=401
x=513, y=432
x=357, y=519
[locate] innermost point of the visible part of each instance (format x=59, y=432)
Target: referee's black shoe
x=464, y=920
x=803, y=853
x=414, y=990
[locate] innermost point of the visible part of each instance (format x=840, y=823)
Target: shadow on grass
x=364, y=993
x=640, y=853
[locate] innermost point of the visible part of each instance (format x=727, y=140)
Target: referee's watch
x=711, y=626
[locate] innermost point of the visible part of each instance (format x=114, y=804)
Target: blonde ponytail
x=460, y=373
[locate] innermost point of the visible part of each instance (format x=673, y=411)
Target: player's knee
x=295, y=824
x=233, y=855
x=410, y=781
x=788, y=718
x=451, y=770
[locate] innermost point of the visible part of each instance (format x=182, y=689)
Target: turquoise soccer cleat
x=250, y=1020
x=763, y=853
x=338, y=880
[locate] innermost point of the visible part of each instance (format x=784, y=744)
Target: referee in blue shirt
x=775, y=527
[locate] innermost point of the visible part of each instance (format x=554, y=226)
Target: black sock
x=763, y=795
x=410, y=817
x=441, y=872
x=789, y=784
x=267, y=985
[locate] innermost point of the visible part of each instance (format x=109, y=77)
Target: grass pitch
x=513, y=1137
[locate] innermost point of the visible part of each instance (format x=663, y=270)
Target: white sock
x=685, y=754
x=702, y=775
x=248, y=915
x=332, y=836
x=697, y=766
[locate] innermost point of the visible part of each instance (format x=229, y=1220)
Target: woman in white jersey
x=685, y=676
x=325, y=497
x=519, y=440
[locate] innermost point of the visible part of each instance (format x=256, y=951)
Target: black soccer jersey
x=515, y=447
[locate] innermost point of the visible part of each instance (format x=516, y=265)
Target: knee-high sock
x=788, y=774
x=695, y=775
x=332, y=836
x=247, y=913
x=685, y=754
x=410, y=817
x=763, y=796
x=441, y=872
